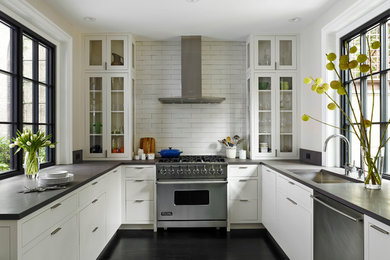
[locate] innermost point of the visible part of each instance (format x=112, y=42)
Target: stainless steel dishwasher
x=338, y=230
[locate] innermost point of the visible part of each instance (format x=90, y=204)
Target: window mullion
x=35, y=86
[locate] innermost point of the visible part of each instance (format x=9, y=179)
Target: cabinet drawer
x=145, y=172
x=92, y=228
x=139, y=190
x=243, y=170
x=243, y=211
x=294, y=191
x=92, y=190
x=140, y=211
x=40, y=223
x=243, y=189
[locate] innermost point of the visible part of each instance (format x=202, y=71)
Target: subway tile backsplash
x=192, y=128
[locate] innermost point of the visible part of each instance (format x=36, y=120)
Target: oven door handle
x=191, y=182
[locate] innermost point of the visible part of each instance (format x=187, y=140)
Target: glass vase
x=373, y=170
x=31, y=165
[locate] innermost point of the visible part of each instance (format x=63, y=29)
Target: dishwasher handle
x=336, y=210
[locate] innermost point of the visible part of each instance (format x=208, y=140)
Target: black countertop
x=15, y=205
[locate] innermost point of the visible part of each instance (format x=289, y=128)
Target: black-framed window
x=378, y=29
x=27, y=91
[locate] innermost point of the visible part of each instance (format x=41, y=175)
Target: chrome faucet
x=348, y=166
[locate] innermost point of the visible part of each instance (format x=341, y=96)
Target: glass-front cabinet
x=274, y=113
x=275, y=52
x=108, y=116
x=106, y=52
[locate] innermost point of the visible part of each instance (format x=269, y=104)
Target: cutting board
x=148, y=144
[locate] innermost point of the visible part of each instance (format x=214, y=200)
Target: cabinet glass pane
x=264, y=52
x=265, y=122
x=95, y=52
x=286, y=94
x=285, y=52
x=265, y=145
x=96, y=115
x=117, y=115
x=264, y=93
x=117, y=52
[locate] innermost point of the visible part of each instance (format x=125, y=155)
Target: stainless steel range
x=192, y=191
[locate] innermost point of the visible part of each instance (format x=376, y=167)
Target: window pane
x=43, y=152
x=5, y=97
x=5, y=47
x=27, y=101
x=353, y=96
x=5, y=151
x=353, y=56
x=42, y=55
x=27, y=57
x=42, y=104
x=355, y=150
x=373, y=97
x=388, y=44
x=374, y=35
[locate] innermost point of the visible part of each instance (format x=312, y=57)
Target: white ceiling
x=164, y=19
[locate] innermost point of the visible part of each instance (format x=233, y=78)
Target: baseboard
x=247, y=226
x=276, y=246
x=136, y=227
x=109, y=246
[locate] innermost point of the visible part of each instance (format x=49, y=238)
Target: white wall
x=192, y=128
x=316, y=40
x=78, y=98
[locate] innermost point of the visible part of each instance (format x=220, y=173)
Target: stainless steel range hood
x=191, y=75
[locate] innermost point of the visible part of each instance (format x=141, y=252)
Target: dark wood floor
x=190, y=244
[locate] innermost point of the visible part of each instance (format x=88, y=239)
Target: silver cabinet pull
x=139, y=180
x=95, y=183
x=139, y=168
x=275, y=65
x=94, y=230
x=335, y=210
x=95, y=200
x=56, y=206
x=244, y=200
x=105, y=66
x=243, y=180
x=243, y=167
x=291, y=183
x=55, y=231
x=115, y=171
x=139, y=200
x=379, y=229
x=293, y=202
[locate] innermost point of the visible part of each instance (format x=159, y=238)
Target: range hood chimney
x=191, y=75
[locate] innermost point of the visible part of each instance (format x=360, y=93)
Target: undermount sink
x=322, y=176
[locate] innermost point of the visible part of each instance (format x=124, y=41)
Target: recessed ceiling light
x=89, y=19
x=192, y=1
x=295, y=19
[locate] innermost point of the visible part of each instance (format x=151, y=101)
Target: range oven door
x=192, y=200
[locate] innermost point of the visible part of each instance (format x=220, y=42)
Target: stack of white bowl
x=55, y=178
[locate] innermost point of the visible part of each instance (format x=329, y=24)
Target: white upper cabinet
x=106, y=52
x=271, y=77
x=275, y=52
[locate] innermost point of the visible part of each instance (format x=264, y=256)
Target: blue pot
x=165, y=153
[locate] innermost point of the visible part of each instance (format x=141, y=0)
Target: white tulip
x=34, y=135
x=42, y=139
x=11, y=145
x=48, y=142
x=28, y=143
x=17, y=142
x=52, y=146
x=23, y=135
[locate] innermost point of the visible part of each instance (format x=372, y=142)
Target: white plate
x=55, y=175
x=57, y=181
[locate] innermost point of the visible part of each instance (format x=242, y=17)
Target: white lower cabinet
x=376, y=239
x=288, y=214
x=268, y=197
x=113, y=196
x=244, y=194
x=139, y=194
x=93, y=228
x=61, y=243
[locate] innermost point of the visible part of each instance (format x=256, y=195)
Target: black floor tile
x=190, y=244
